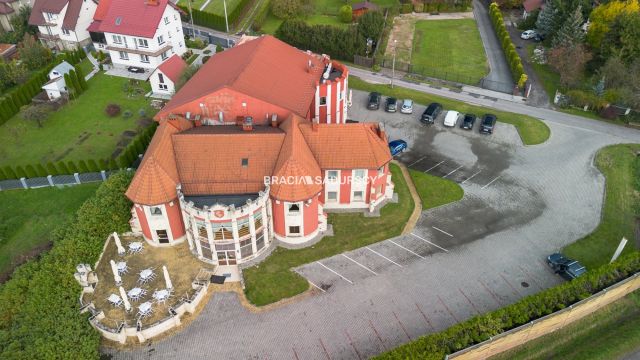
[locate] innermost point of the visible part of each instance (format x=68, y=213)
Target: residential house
x=359, y=9
x=530, y=6
x=163, y=79
x=56, y=86
x=231, y=189
x=138, y=33
x=9, y=9
x=62, y=24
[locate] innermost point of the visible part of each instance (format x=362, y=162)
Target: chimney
x=314, y=124
x=247, y=125
x=151, y=2
x=274, y=120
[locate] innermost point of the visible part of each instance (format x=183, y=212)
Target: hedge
x=124, y=160
x=39, y=313
x=483, y=327
x=214, y=21
x=513, y=59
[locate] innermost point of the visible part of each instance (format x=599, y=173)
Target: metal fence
x=421, y=71
x=207, y=36
x=57, y=180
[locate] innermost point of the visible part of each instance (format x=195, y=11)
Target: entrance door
x=227, y=257
x=163, y=237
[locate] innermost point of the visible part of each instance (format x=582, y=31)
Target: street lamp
x=393, y=62
x=193, y=29
x=226, y=20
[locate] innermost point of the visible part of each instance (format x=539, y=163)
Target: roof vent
x=119, y=20
x=247, y=125
x=151, y=2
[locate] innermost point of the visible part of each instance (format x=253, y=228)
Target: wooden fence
x=549, y=323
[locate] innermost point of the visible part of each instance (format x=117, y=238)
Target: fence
x=421, y=71
x=38, y=182
x=550, y=323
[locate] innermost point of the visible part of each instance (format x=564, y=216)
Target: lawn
x=217, y=6
x=27, y=218
x=273, y=280
x=86, y=66
x=532, y=131
x=80, y=130
x=435, y=191
x=621, y=167
x=446, y=48
x=609, y=333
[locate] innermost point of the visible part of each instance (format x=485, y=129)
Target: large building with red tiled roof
x=233, y=189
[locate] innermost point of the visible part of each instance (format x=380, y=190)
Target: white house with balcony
x=62, y=24
x=138, y=33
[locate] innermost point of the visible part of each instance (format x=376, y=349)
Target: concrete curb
x=417, y=203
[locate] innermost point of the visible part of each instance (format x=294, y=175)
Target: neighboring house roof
x=532, y=5
x=265, y=68
x=6, y=9
x=173, y=67
x=62, y=68
x=364, y=5
x=55, y=84
x=133, y=17
x=208, y=160
x=99, y=15
x=55, y=7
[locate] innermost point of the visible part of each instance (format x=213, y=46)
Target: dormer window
x=294, y=208
x=245, y=162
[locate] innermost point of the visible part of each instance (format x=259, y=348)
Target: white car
x=407, y=106
x=451, y=119
x=529, y=34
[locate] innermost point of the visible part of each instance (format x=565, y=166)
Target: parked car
x=397, y=146
x=451, y=119
x=374, y=101
x=487, y=124
x=431, y=113
x=135, y=69
x=407, y=106
x=565, y=267
x=538, y=37
x=468, y=121
x=391, y=105
x=528, y=34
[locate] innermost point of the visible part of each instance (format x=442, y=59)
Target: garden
x=81, y=129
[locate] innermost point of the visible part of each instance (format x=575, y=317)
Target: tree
x=20, y=173
x=623, y=39
x=51, y=169
x=286, y=9
x=570, y=33
x=41, y=171
x=370, y=25
x=62, y=168
x=82, y=166
x=92, y=165
x=546, y=23
x=38, y=113
x=32, y=53
x=603, y=16
x=72, y=167
x=345, y=14
x=81, y=80
x=9, y=173
x=30, y=171
x=76, y=83
x=70, y=86
x=569, y=62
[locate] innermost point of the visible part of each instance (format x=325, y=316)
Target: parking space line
x=316, y=286
x=402, y=247
x=429, y=242
x=362, y=266
x=442, y=231
x=434, y=166
x=335, y=272
x=382, y=256
x=417, y=161
x=471, y=177
x=491, y=182
x=456, y=169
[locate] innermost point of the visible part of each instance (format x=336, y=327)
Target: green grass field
x=610, y=333
x=435, y=191
x=27, y=218
x=79, y=130
x=531, y=130
x=217, y=6
x=273, y=280
x=86, y=66
x=621, y=168
x=442, y=48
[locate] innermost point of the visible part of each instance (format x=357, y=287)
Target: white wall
x=155, y=83
x=158, y=222
x=294, y=218
x=80, y=33
x=331, y=186
x=171, y=34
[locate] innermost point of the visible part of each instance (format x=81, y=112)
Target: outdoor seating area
x=142, y=283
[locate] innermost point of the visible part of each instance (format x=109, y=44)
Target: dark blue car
x=397, y=146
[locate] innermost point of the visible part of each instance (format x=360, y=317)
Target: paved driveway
x=470, y=257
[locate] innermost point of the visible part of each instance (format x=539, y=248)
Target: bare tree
x=37, y=113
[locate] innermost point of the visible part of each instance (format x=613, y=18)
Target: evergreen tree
x=92, y=166
x=72, y=167
x=76, y=83
x=2, y=175
x=112, y=164
x=570, y=33
x=9, y=173
x=81, y=80
x=104, y=164
x=62, y=168
x=41, y=171
x=20, y=173
x=547, y=18
x=51, y=169
x=70, y=86
x=82, y=167
x=598, y=89
x=30, y=171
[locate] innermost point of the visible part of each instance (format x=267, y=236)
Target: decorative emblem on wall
x=218, y=213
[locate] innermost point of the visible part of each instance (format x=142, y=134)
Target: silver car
x=407, y=106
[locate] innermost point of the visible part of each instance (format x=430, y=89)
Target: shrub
x=345, y=14
x=9, y=173
x=514, y=61
x=92, y=166
x=127, y=114
x=51, y=169
x=406, y=8
x=72, y=167
x=62, y=168
x=112, y=110
x=39, y=315
x=418, y=7
x=197, y=43
x=82, y=167
x=376, y=68
x=30, y=171
x=41, y=171
x=219, y=48
x=205, y=58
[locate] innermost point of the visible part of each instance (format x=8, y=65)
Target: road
x=479, y=254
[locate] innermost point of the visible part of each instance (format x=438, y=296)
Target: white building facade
x=62, y=24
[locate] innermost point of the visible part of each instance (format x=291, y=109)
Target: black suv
x=374, y=101
x=565, y=267
x=468, y=121
x=488, y=123
x=431, y=113
x=391, y=105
